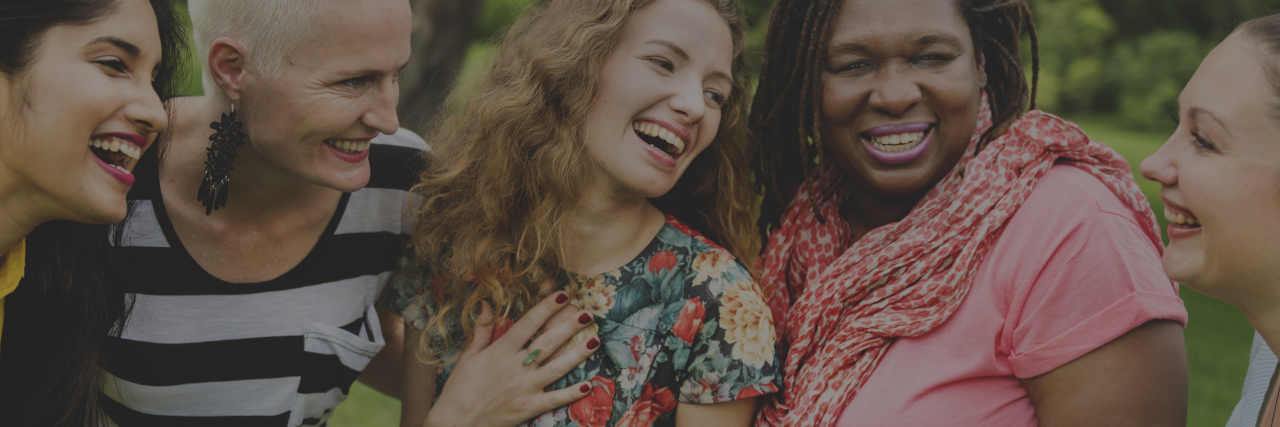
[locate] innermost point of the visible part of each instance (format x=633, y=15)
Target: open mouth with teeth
x=349, y=145
x=1181, y=220
x=659, y=138
x=116, y=152
x=898, y=142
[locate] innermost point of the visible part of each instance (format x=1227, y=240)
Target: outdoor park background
x=1115, y=67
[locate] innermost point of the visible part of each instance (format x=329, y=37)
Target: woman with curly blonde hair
x=602, y=130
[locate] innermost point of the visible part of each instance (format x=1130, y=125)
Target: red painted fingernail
x=562, y=298
x=585, y=318
x=593, y=343
x=585, y=388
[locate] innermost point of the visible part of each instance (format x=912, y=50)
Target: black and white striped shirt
x=198, y=351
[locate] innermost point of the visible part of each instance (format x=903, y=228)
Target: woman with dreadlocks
x=934, y=254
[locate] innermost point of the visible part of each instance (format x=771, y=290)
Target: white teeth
x=348, y=145
x=1179, y=219
x=122, y=169
x=115, y=145
x=660, y=132
x=898, y=139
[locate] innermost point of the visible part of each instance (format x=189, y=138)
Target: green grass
x=366, y=408
x=1218, y=335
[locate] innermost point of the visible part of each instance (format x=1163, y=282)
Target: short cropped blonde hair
x=268, y=29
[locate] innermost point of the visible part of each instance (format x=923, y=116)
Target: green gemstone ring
x=533, y=355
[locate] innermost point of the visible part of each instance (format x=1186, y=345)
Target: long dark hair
x=785, y=114
x=69, y=303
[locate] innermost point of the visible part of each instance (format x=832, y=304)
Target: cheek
x=838, y=100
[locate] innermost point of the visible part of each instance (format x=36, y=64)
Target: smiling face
x=660, y=94
x=901, y=88
x=1220, y=175
x=77, y=119
x=313, y=119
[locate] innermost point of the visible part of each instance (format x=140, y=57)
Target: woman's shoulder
x=702, y=258
x=1070, y=195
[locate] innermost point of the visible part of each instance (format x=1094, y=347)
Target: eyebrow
x=922, y=41
x=127, y=47
x=1196, y=111
x=685, y=56
x=372, y=71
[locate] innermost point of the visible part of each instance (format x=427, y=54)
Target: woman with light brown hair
x=603, y=129
x=1218, y=177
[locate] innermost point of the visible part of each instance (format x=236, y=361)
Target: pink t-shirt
x=1071, y=271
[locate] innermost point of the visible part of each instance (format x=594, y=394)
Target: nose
x=382, y=114
x=688, y=100
x=1160, y=166
x=896, y=92
x=147, y=111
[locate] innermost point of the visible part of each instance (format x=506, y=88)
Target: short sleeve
x=1103, y=279
x=733, y=353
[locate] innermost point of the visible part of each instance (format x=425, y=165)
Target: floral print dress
x=682, y=322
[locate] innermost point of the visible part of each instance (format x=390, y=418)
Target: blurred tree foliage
x=498, y=15
x=1130, y=58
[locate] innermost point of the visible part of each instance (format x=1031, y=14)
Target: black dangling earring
x=228, y=135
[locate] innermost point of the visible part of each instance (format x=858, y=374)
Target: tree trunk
x=442, y=32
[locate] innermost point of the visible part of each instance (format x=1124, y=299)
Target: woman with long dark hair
x=81, y=101
x=937, y=256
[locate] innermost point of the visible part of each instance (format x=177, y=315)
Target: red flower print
x=757, y=390
x=648, y=407
x=690, y=232
x=690, y=321
x=595, y=409
x=662, y=261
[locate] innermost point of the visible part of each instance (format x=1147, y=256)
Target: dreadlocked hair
x=506, y=170
x=785, y=115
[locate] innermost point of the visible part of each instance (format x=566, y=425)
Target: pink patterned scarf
x=839, y=308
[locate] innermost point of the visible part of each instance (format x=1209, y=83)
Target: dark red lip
x=133, y=138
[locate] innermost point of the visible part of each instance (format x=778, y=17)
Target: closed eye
x=1202, y=143
x=356, y=83
x=114, y=64
x=662, y=62
x=857, y=67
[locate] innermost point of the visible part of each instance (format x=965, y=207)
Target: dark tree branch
x=442, y=32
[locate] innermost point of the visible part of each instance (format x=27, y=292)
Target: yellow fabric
x=12, y=266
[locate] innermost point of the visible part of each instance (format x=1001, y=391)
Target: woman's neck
x=258, y=189
x=606, y=230
x=1263, y=313
x=865, y=211
x=20, y=211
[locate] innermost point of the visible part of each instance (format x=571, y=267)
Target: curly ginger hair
x=508, y=169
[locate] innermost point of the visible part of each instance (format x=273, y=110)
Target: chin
x=1185, y=269
x=104, y=212
x=346, y=183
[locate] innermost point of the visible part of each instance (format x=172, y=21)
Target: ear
x=982, y=67
x=227, y=66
